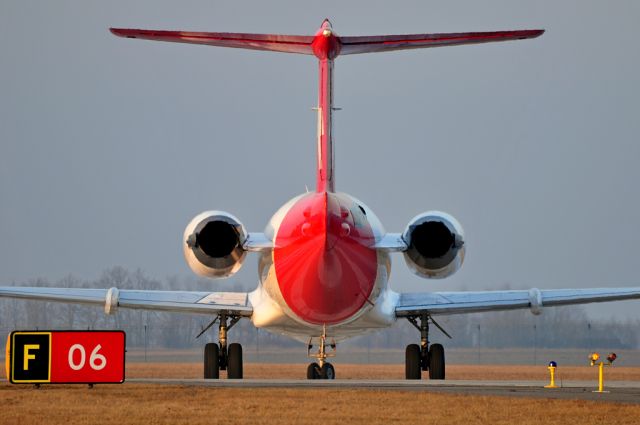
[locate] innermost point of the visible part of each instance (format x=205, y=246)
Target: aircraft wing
x=211, y=303
x=441, y=303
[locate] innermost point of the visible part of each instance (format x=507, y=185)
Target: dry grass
x=124, y=404
x=360, y=371
x=198, y=405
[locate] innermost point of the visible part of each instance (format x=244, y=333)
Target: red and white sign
x=67, y=357
x=87, y=357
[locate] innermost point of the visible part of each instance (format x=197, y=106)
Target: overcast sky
x=109, y=146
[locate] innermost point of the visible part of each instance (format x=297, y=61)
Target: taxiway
x=618, y=391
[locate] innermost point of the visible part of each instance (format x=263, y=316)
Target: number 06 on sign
x=66, y=357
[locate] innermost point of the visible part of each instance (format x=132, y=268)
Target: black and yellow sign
x=30, y=357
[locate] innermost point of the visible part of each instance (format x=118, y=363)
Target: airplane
x=324, y=257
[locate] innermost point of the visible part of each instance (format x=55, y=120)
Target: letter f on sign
x=28, y=356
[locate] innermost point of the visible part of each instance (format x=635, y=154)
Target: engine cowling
x=436, y=245
x=213, y=244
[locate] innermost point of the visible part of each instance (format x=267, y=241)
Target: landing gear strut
x=422, y=357
x=321, y=369
x=219, y=356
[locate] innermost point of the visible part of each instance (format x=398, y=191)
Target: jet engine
x=435, y=243
x=213, y=244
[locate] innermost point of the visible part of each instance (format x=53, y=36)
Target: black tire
x=436, y=362
x=234, y=360
x=313, y=371
x=211, y=361
x=412, y=362
x=327, y=371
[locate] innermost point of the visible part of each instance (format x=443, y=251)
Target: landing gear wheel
x=313, y=371
x=234, y=361
x=436, y=361
x=327, y=371
x=412, y=368
x=211, y=361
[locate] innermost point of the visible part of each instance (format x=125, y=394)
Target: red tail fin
x=326, y=46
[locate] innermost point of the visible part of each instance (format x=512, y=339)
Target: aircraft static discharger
x=324, y=257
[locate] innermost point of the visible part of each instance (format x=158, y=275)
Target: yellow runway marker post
x=552, y=371
x=593, y=358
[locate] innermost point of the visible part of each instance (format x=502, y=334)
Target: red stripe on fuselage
x=324, y=265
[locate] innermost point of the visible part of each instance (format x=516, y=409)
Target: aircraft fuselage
x=324, y=269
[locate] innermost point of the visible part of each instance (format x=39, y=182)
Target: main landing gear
x=422, y=357
x=321, y=369
x=219, y=356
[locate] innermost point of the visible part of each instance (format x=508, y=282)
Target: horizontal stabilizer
x=386, y=43
x=273, y=42
x=304, y=44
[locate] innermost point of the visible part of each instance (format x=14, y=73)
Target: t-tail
x=326, y=45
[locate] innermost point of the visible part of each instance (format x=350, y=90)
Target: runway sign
x=66, y=357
